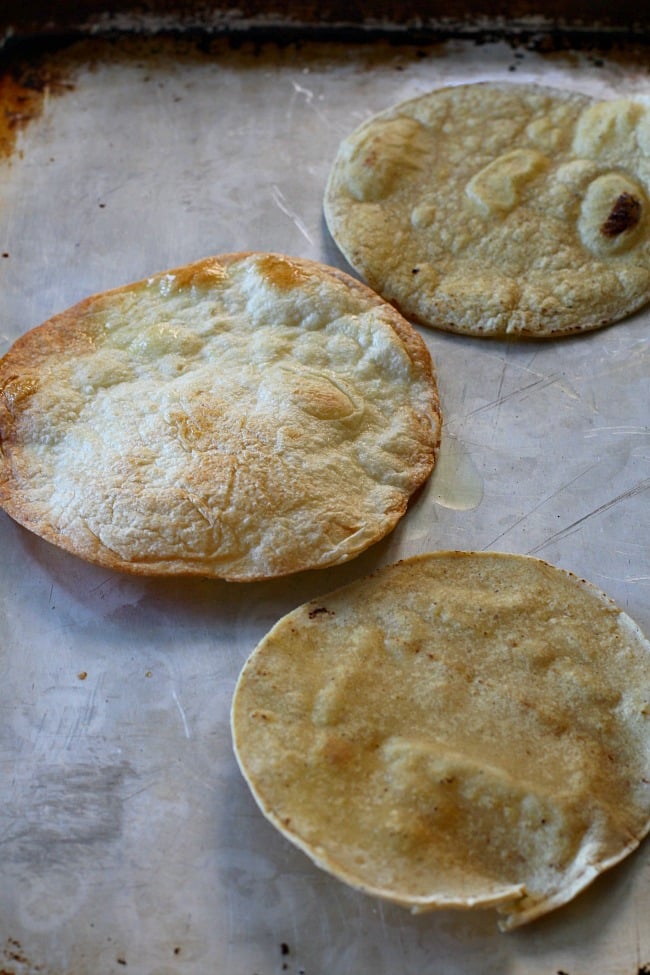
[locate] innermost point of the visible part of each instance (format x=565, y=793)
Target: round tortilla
x=496, y=209
x=244, y=417
x=458, y=730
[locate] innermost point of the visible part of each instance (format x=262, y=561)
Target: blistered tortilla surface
x=499, y=209
x=457, y=730
x=243, y=417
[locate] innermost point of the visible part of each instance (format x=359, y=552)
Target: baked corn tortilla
x=458, y=730
x=497, y=209
x=243, y=417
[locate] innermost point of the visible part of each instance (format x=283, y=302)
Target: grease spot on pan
x=456, y=482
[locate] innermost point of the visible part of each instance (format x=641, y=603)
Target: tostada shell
x=497, y=209
x=457, y=730
x=243, y=417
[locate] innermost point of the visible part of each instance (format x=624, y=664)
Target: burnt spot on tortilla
x=320, y=611
x=624, y=215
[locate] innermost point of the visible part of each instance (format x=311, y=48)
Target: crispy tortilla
x=458, y=730
x=244, y=417
x=496, y=209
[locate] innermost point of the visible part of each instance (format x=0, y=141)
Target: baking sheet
x=128, y=839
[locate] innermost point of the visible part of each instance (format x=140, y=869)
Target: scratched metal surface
x=128, y=840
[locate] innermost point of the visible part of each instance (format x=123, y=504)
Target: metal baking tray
x=128, y=839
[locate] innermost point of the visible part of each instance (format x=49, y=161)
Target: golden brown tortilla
x=498, y=209
x=244, y=417
x=458, y=730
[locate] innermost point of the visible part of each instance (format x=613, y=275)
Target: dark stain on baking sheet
x=400, y=16
x=19, y=104
x=24, y=86
x=33, y=68
x=14, y=961
x=641, y=970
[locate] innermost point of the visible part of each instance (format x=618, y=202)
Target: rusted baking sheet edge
x=557, y=23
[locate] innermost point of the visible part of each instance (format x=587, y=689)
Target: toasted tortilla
x=499, y=210
x=244, y=417
x=458, y=730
